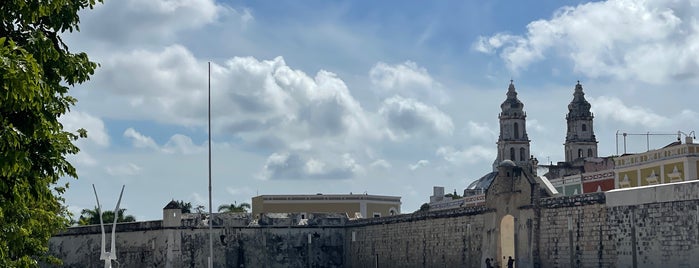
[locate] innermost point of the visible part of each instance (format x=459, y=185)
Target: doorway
x=507, y=240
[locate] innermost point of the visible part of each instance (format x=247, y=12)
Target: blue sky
x=388, y=98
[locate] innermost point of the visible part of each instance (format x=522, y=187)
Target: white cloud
x=84, y=158
x=481, y=131
x=489, y=45
x=613, y=108
x=381, y=163
x=649, y=41
x=288, y=165
x=139, y=140
x=96, y=131
x=419, y=164
x=406, y=79
x=250, y=98
x=156, y=20
x=471, y=155
x=182, y=144
x=406, y=117
x=128, y=169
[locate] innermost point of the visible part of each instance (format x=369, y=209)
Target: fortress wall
x=647, y=227
x=188, y=247
x=655, y=226
x=575, y=232
x=451, y=238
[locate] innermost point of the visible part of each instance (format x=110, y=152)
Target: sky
x=338, y=97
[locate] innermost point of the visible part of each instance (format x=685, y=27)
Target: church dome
x=484, y=182
x=507, y=163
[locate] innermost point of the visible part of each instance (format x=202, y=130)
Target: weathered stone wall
x=655, y=226
x=285, y=246
x=575, y=232
x=646, y=227
x=452, y=238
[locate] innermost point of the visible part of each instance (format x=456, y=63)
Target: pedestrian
x=488, y=263
x=510, y=262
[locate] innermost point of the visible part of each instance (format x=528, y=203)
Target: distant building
x=676, y=162
x=584, y=172
x=439, y=201
x=354, y=205
x=513, y=149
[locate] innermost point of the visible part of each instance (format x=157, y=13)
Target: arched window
x=521, y=154
x=589, y=153
x=584, y=127
x=580, y=153
x=516, y=131
x=512, y=154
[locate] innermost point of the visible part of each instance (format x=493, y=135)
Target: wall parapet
x=573, y=200
x=120, y=227
x=419, y=216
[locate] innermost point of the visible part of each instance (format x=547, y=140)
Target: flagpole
x=211, y=215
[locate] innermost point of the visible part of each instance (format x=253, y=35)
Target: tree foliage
x=185, y=206
x=36, y=71
x=243, y=207
x=424, y=207
x=92, y=216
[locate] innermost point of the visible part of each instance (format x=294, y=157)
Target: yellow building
x=354, y=205
x=674, y=163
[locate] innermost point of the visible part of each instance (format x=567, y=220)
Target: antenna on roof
x=110, y=255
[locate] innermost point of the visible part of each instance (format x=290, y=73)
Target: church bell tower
x=513, y=142
x=580, y=137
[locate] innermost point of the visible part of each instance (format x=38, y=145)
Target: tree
x=186, y=206
x=453, y=196
x=36, y=71
x=91, y=216
x=243, y=207
x=424, y=207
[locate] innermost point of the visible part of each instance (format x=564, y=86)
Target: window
x=392, y=212
x=521, y=154
x=584, y=127
x=516, y=128
x=512, y=154
x=580, y=153
x=589, y=153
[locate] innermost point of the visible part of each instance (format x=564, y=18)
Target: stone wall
x=146, y=244
x=575, y=232
x=646, y=227
x=450, y=238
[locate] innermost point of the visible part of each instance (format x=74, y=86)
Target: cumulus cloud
x=139, y=140
x=154, y=19
x=613, y=108
x=291, y=165
x=406, y=79
x=182, y=144
x=406, y=117
x=471, y=155
x=381, y=163
x=481, y=131
x=128, y=169
x=649, y=41
x=178, y=143
x=96, y=131
x=419, y=164
x=250, y=98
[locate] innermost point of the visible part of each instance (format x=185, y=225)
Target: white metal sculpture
x=110, y=255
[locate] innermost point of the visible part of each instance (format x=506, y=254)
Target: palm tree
x=243, y=207
x=91, y=216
